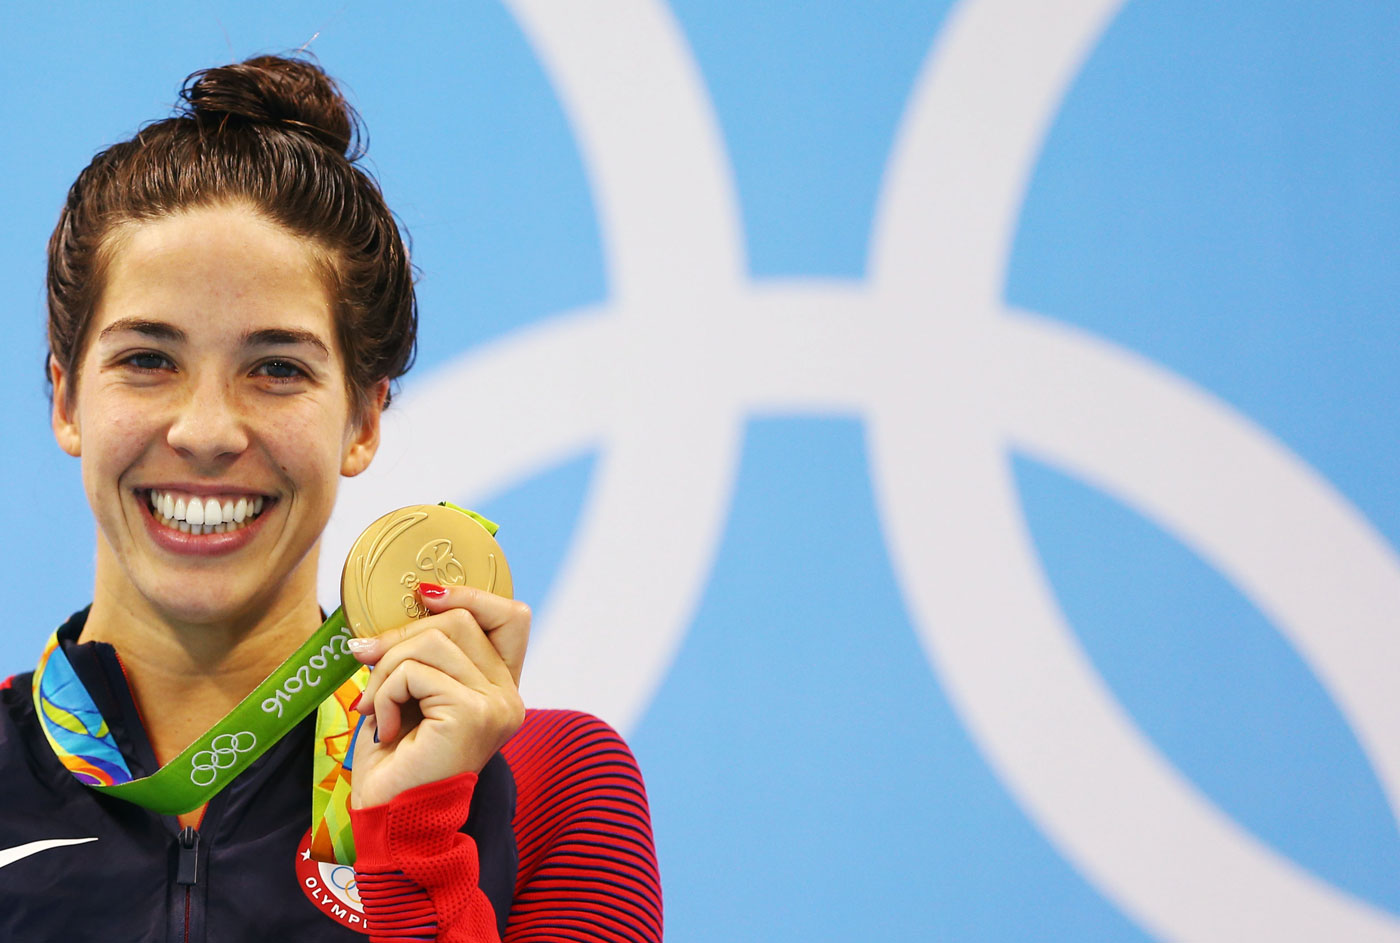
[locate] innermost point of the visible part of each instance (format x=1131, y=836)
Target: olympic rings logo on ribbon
x=222, y=753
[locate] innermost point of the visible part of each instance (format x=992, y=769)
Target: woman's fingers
x=506, y=622
x=457, y=640
x=410, y=682
x=482, y=623
x=450, y=644
x=429, y=647
x=440, y=697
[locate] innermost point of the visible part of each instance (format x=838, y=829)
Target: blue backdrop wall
x=953, y=441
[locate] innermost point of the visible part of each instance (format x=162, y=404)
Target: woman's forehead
x=216, y=271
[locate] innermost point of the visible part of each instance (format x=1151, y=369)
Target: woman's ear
x=364, y=433
x=65, y=423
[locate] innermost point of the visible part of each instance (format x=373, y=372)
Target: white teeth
x=194, y=515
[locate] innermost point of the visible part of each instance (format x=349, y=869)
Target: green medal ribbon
x=311, y=674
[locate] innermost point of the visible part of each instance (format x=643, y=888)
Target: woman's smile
x=191, y=514
x=184, y=522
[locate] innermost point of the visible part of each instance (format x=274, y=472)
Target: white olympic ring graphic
x=222, y=753
x=948, y=379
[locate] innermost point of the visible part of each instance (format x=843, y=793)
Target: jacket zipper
x=187, y=868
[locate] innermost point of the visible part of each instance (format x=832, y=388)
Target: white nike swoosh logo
x=11, y=855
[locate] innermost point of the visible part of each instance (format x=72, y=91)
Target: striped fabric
x=587, y=867
x=401, y=909
x=583, y=830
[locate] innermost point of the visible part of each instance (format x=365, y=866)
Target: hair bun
x=274, y=90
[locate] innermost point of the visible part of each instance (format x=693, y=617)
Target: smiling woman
x=229, y=302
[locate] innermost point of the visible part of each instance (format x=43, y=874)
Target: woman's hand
x=443, y=696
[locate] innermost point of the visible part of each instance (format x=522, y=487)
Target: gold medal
x=422, y=543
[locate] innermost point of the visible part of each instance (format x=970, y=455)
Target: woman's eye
x=148, y=360
x=280, y=370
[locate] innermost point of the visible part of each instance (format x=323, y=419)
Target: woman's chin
x=202, y=612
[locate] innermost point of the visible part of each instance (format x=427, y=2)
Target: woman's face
x=211, y=388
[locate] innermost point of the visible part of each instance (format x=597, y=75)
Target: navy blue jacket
x=234, y=879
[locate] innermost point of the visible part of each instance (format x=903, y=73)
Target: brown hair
x=274, y=133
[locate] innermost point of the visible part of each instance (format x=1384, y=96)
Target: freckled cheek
x=307, y=448
x=114, y=440
x=113, y=437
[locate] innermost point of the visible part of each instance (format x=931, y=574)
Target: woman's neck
x=185, y=677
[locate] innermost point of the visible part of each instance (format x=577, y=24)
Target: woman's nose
x=208, y=424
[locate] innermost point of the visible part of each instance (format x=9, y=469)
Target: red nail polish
x=356, y=702
x=431, y=590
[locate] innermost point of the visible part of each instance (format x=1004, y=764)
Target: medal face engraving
x=424, y=543
x=436, y=557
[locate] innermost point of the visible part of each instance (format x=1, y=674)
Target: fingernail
x=431, y=590
x=360, y=646
x=356, y=702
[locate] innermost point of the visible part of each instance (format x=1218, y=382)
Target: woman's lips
x=179, y=535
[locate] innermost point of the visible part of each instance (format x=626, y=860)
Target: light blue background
x=1220, y=193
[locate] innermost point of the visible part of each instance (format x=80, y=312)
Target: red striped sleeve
x=587, y=866
x=583, y=831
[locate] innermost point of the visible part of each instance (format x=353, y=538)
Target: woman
x=229, y=302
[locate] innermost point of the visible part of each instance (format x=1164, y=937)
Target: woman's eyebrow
x=282, y=337
x=159, y=330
